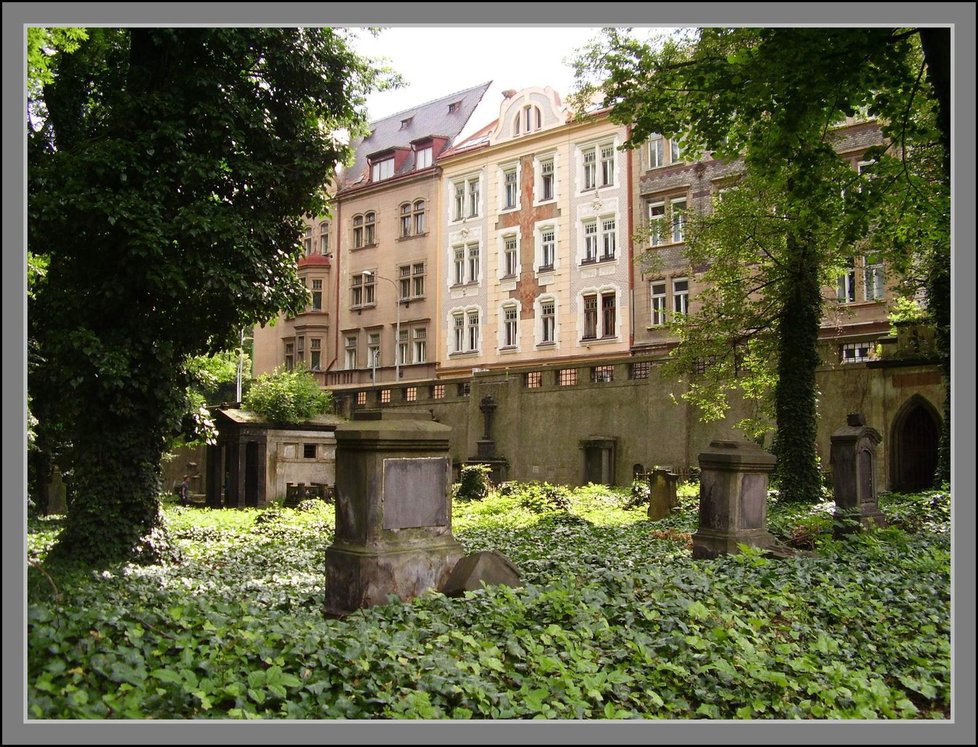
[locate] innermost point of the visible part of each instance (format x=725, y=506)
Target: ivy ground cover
x=614, y=621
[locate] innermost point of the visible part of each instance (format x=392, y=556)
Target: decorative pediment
x=526, y=112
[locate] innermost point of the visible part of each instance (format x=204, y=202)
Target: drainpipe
x=336, y=287
x=630, y=195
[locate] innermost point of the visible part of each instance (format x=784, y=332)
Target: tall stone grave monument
x=393, y=510
x=733, y=499
x=853, y=460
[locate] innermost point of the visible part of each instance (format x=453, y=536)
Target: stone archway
x=915, y=434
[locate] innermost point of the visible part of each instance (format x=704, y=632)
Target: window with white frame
x=420, y=226
x=473, y=263
x=317, y=294
x=657, y=290
x=510, y=314
x=657, y=220
x=675, y=152
x=548, y=247
x=607, y=165
x=590, y=241
x=600, y=315
x=362, y=290
x=511, y=260
x=405, y=223
x=873, y=278
x=420, y=344
x=678, y=208
x=590, y=169
x=657, y=152
x=411, y=281
x=680, y=295
x=458, y=265
x=548, y=322
x=510, y=188
x=846, y=284
x=547, y=179
x=350, y=361
x=599, y=165
x=315, y=353
x=608, y=243
x=422, y=158
x=369, y=228
x=465, y=198
x=856, y=352
x=465, y=331
x=590, y=316
x=382, y=170
x=307, y=241
x=403, y=347
x=324, y=238
x=373, y=349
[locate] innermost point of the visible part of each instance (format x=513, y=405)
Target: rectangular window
x=361, y=398
x=307, y=241
x=607, y=165
x=438, y=391
x=608, y=314
x=590, y=169
x=362, y=290
x=548, y=248
x=458, y=211
x=534, y=380
x=404, y=281
x=657, y=217
x=590, y=317
x=675, y=154
x=548, y=333
x=464, y=389
x=472, y=189
x=473, y=330
x=403, y=347
x=678, y=208
x=846, y=289
x=567, y=377
x=608, y=239
x=602, y=374
x=422, y=158
x=511, y=258
x=591, y=241
x=411, y=394
x=680, y=296
x=658, y=293
x=317, y=295
x=382, y=170
x=417, y=278
x=308, y=451
x=657, y=152
x=458, y=259
x=315, y=353
x=289, y=356
x=873, y=278
x=474, y=263
x=458, y=332
x=373, y=348
x=385, y=396
x=351, y=352
x=509, y=189
x=640, y=370
x=509, y=326
x=324, y=239
x=856, y=352
x=547, y=179
x=420, y=344
x=300, y=352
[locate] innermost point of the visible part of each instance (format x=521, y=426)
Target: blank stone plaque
x=415, y=492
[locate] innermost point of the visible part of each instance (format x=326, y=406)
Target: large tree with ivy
x=771, y=97
x=168, y=170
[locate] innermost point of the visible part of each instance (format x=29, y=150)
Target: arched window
x=405, y=219
x=419, y=222
x=357, y=231
x=370, y=236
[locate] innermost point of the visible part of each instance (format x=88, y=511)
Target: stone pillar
x=853, y=460
x=662, y=493
x=393, y=510
x=733, y=498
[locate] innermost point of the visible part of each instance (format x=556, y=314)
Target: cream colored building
x=535, y=240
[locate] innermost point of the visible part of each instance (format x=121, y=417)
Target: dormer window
x=454, y=107
x=405, y=123
x=382, y=170
x=527, y=120
x=422, y=158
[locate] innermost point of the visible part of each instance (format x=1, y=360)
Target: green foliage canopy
x=287, y=396
x=166, y=183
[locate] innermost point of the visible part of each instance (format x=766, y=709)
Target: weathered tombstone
x=853, y=460
x=733, y=499
x=472, y=571
x=393, y=510
x=662, y=492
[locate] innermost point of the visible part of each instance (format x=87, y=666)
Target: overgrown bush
x=542, y=497
x=474, y=483
x=287, y=396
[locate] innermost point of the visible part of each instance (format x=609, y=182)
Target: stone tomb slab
x=415, y=492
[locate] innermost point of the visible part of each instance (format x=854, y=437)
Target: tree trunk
x=795, y=395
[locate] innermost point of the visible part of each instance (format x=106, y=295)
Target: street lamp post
x=397, y=331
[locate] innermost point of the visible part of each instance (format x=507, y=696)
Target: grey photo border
x=18, y=730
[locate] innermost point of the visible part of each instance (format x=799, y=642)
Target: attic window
x=405, y=123
x=382, y=169
x=454, y=107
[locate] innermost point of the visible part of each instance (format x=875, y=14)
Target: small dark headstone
x=472, y=571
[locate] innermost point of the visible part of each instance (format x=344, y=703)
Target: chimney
x=509, y=93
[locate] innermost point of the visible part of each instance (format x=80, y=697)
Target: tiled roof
x=444, y=117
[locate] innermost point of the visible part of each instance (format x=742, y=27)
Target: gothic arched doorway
x=916, y=432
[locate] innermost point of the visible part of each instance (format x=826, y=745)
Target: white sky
x=438, y=61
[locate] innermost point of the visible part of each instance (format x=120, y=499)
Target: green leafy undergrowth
x=614, y=621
